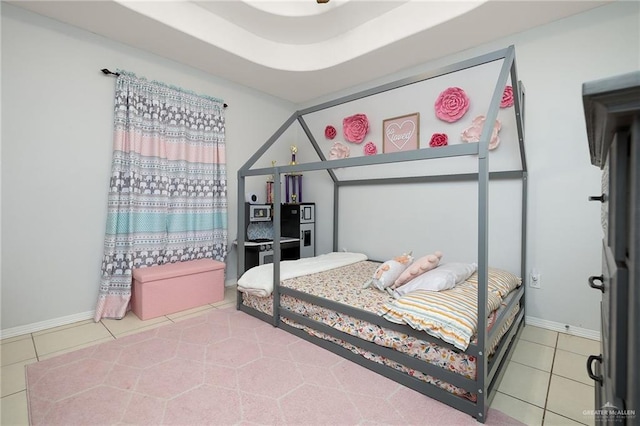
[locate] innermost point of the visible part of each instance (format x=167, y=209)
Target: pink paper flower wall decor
x=330, y=132
x=473, y=133
x=507, y=97
x=338, y=151
x=439, y=139
x=452, y=104
x=370, y=148
x=355, y=128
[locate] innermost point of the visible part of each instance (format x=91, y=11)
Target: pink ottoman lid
x=171, y=270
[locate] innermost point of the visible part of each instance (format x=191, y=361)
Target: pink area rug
x=224, y=367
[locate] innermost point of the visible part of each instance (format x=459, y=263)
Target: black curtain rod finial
x=107, y=72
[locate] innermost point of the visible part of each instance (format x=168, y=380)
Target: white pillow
x=444, y=277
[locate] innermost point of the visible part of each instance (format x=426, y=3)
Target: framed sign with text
x=401, y=133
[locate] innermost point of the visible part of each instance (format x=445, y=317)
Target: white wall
x=564, y=235
x=54, y=174
x=56, y=142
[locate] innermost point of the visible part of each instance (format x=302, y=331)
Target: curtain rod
x=105, y=71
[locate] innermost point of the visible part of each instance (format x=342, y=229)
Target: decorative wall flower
x=473, y=133
x=339, y=151
x=452, y=104
x=439, y=139
x=330, y=132
x=507, y=97
x=370, y=148
x=355, y=128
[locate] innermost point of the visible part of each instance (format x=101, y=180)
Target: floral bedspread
x=344, y=285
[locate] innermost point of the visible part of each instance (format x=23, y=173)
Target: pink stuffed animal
x=418, y=267
x=386, y=274
x=403, y=259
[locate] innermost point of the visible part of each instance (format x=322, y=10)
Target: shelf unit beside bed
x=489, y=364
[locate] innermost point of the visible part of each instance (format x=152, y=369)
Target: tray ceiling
x=299, y=50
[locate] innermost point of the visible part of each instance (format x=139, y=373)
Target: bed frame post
x=518, y=100
x=336, y=202
x=277, y=203
x=483, y=235
x=240, y=235
x=483, y=277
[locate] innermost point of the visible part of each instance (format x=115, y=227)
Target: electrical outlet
x=534, y=279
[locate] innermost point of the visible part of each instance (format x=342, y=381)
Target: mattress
x=344, y=285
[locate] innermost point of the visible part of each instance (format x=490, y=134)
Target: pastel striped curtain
x=167, y=197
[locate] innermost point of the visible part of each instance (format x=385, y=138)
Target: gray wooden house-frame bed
x=492, y=345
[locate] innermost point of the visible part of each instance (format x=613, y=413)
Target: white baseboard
x=57, y=322
x=43, y=325
x=562, y=328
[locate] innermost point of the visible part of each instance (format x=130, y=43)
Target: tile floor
x=544, y=384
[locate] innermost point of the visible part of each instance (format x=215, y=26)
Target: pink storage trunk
x=166, y=289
